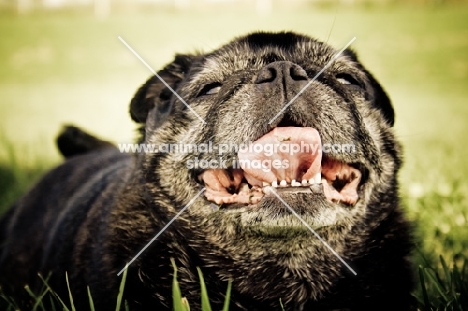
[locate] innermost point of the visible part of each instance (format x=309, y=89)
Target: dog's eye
x=210, y=89
x=347, y=79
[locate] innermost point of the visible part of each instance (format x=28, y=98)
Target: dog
x=320, y=228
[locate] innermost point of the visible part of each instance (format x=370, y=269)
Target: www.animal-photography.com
x=233, y=155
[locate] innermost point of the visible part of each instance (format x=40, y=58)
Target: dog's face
x=268, y=90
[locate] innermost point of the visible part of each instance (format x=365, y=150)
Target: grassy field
x=68, y=67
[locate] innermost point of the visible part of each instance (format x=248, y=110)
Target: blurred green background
x=65, y=64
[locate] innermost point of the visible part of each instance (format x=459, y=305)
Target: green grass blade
x=205, y=301
x=460, y=287
x=69, y=292
x=39, y=300
x=281, y=304
x=185, y=304
x=423, y=288
x=28, y=290
x=55, y=294
x=91, y=302
x=52, y=303
x=10, y=301
x=465, y=266
x=176, y=294
x=437, y=283
x=121, y=290
x=448, y=274
x=455, y=287
x=228, y=296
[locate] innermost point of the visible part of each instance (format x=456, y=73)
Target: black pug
x=252, y=225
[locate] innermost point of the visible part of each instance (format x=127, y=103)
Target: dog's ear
x=376, y=93
x=380, y=99
x=155, y=94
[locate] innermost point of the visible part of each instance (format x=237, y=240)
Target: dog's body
x=91, y=215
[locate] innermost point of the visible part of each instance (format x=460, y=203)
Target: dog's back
x=47, y=228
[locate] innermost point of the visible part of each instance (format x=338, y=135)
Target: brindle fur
x=91, y=215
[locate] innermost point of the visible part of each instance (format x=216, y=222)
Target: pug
x=270, y=162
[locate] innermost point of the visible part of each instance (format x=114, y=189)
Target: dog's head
x=271, y=123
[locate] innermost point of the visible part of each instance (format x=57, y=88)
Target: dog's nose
x=281, y=72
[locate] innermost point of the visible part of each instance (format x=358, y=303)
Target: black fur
x=91, y=215
x=74, y=141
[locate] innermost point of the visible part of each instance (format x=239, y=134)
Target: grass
x=70, y=68
x=16, y=177
x=439, y=291
x=179, y=302
x=446, y=290
x=48, y=300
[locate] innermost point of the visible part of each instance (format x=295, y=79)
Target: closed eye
x=210, y=89
x=347, y=79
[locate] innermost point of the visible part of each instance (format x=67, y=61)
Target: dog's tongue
x=290, y=154
x=286, y=156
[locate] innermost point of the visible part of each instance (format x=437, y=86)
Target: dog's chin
x=284, y=213
x=272, y=218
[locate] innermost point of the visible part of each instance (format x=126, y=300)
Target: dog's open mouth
x=289, y=158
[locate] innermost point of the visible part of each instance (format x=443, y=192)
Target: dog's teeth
x=304, y=182
x=318, y=178
x=274, y=184
x=265, y=184
x=283, y=183
x=294, y=183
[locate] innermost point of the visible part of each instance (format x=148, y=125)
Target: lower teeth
x=317, y=179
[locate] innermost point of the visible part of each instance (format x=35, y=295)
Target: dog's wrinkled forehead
x=238, y=64
x=256, y=50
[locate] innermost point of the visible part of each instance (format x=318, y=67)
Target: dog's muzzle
x=289, y=158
